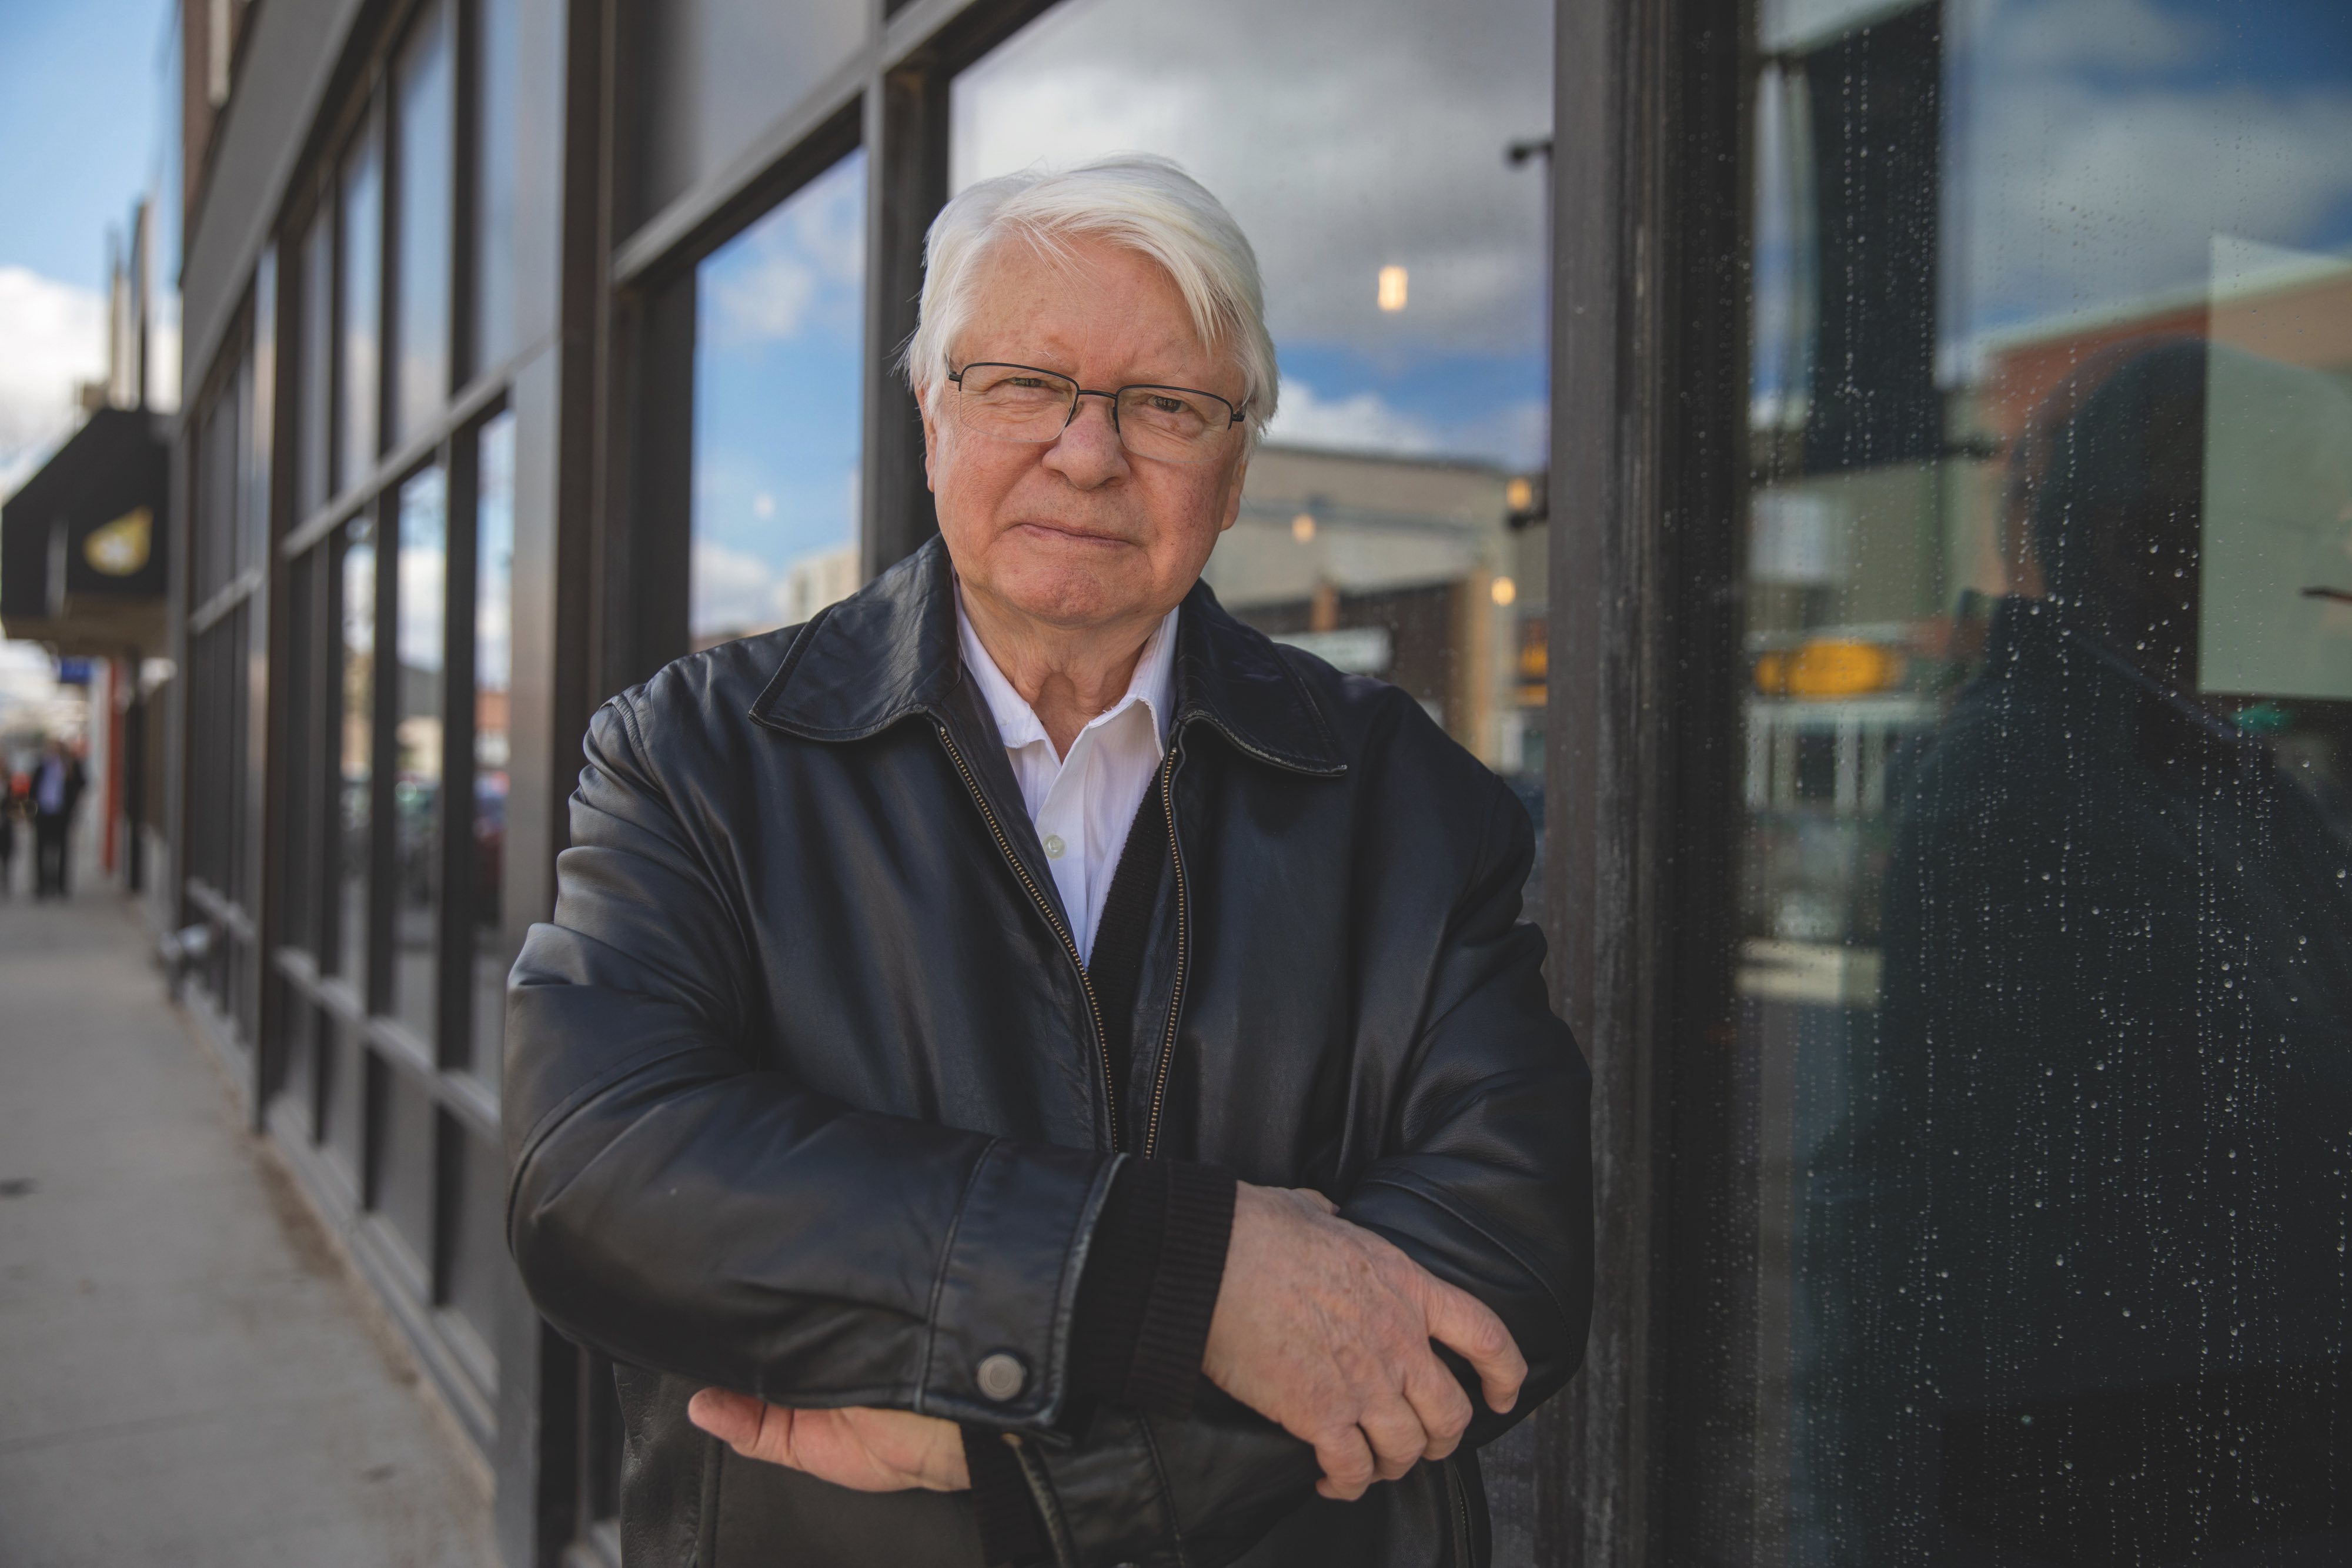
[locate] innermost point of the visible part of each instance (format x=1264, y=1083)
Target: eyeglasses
x=1024, y=403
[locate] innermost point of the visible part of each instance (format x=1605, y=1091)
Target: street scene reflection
x=2045, y=979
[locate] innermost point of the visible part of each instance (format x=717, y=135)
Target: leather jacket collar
x=888, y=652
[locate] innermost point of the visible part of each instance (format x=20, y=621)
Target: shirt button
x=1055, y=846
x=1001, y=1376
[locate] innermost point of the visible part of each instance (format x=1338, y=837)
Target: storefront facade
x=1860, y=470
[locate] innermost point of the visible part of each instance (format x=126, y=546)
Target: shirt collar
x=1017, y=724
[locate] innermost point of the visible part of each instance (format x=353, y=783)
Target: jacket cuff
x=999, y=1498
x=1149, y=1288
x=997, y=1355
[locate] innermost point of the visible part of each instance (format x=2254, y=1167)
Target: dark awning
x=82, y=541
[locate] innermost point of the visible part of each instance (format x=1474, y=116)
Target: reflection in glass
x=314, y=432
x=297, y=831
x=1392, y=518
x=2043, y=985
x=497, y=179
x=493, y=691
x=778, y=366
x=424, y=103
x=361, y=307
x=355, y=718
x=718, y=72
x=419, y=597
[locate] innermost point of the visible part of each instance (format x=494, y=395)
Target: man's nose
x=1089, y=451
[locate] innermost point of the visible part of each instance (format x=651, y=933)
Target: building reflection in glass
x=2042, y=991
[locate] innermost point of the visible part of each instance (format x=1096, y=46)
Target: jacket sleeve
x=680, y=1208
x=1486, y=1183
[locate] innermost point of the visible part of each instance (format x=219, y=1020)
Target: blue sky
x=81, y=106
x=87, y=98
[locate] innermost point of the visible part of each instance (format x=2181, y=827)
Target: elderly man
x=1023, y=1067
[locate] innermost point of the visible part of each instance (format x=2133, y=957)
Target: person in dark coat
x=1023, y=1067
x=58, y=784
x=16, y=807
x=2088, y=1218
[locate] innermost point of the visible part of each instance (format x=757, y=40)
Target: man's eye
x=1160, y=404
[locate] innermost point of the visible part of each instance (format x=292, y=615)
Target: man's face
x=1077, y=533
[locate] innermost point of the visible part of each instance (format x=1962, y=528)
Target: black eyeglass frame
x=1233, y=411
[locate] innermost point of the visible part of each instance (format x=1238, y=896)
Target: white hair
x=1134, y=200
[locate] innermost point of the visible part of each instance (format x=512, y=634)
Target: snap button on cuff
x=1001, y=1375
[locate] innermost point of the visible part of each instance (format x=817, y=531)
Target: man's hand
x=866, y=1451
x=1324, y=1328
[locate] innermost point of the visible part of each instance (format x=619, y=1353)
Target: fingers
x=1347, y=1461
x=1465, y=1325
x=1397, y=1438
x=733, y=1418
x=1439, y=1406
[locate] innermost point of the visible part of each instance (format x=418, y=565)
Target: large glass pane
x=1392, y=518
x=498, y=147
x=718, y=72
x=420, y=593
x=299, y=862
x=423, y=101
x=355, y=719
x=313, y=416
x=778, y=369
x=2038, y=1097
x=493, y=953
x=361, y=307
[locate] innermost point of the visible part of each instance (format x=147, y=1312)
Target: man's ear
x=1233, y=495
x=931, y=445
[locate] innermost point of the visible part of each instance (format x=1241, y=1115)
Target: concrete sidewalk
x=188, y=1376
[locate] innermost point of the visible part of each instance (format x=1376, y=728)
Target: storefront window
x=355, y=722
x=1392, y=521
x=2035, y=1251
x=424, y=101
x=493, y=732
x=419, y=593
x=717, y=72
x=778, y=373
x=361, y=306
x=313, y=427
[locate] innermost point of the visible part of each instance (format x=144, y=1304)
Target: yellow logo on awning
x=121, y=547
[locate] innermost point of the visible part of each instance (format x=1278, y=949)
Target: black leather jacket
x=804, y=1093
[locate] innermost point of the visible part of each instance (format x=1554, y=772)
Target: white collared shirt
x=1083, y=804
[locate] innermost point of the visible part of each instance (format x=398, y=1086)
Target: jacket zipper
x=1045, y=907
x=1176, y=1000
x=1460, y=1494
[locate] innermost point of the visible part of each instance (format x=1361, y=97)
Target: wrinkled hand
x=1324, y=1327
x=866, y=1451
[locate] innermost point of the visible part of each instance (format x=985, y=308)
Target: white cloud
x=2092, y=199
x=52, y=335
x=1365, y=421
x=1340, y=148
x=808, y=255
x=732, y=590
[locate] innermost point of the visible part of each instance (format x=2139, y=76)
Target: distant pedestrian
x=58, y=784
x=16, y=806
